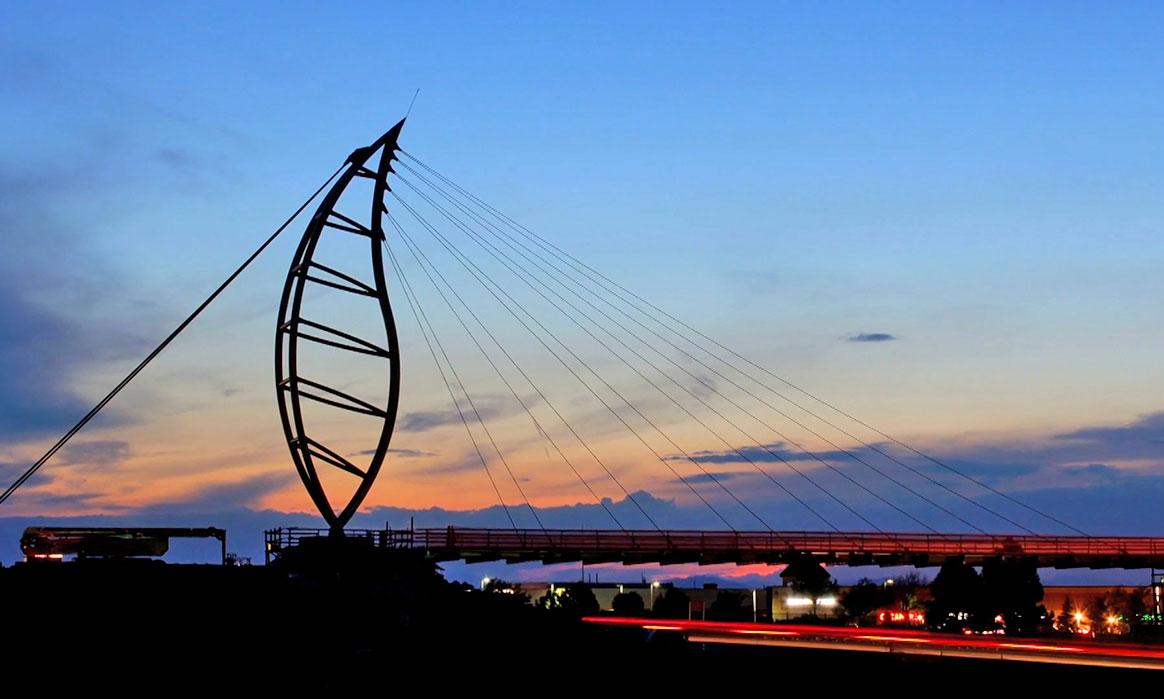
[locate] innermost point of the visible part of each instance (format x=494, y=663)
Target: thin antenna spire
x=414, y=95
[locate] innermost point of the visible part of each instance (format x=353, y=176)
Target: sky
x=944, y=219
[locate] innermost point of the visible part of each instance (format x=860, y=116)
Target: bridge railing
x=875, y=543
x=557, y=544
x=278, y=540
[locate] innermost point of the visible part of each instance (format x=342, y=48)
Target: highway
x=907, y=641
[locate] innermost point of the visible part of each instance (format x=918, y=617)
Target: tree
x=573, y=599
x=1070, y=619
x=674, y=604
x=1117, y=613
x=908, y=592
x=1125, y=610
x=862, y=599
x=957, y=597
x=629, y=604
x=729, y=606
x=1094, y=613
x=501, y=587
x=1012, y=590
x=809, y=578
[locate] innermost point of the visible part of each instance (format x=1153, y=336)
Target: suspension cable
x=638, y=303
x=691, y=415
x=485, y=225
x=419, y=255
x=688, y=412
x=493, y=288
x=422, y=321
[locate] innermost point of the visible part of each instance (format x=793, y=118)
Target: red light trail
x=909, y=641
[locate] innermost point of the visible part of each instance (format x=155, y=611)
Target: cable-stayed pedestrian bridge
x=486, y=294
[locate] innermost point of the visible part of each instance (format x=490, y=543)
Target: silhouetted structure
x=294, y=327
x=49, y=543
x=678, y=546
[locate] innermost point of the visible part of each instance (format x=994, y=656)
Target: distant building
x=782, y=603
x=766, y=603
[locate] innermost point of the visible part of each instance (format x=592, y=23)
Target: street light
x=654, y=585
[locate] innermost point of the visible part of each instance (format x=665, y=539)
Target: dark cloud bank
x=1126, y=505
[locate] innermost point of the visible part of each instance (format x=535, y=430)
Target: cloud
x=56, y=291
x=402, y=453
x=95, y=454
x=702, y=385
x=177, y=158
x=11, y=470
x=411, y=453
x=1139, y=439
x=872, y=337
x=223, y=497
x=38, y=349
x=1126, y=507
x=1099, y=452
x=721, y=477
x=490, y=408
x=465, y=464
x=774, y=452
x=72, y=501
x=1102, y=472
x=46, y=328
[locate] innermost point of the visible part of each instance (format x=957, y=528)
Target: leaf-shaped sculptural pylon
x=296, y=332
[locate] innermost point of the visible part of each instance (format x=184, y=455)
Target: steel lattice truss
x=293, y=329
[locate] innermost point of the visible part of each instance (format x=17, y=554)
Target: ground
x=334, y=619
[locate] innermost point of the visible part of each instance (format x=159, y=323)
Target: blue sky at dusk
x=947, y=219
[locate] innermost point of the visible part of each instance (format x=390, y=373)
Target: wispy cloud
x=872, y=337
x=223, y=497
x=1093, y=453
x=402, y=453
x=101, y=453
x=489, y=407
x=721, y=477
x=766, y=453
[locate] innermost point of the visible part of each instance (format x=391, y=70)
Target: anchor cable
x=161, y=346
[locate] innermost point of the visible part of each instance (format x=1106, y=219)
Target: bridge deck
x=706, y=547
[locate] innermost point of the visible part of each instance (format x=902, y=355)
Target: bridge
x=476, y=545
x=838, y=469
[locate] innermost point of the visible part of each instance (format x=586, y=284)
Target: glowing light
x=912, y=617
x=1036, y=646
x=827, y=601
x=763, y=632
x=485, y=581
x=897, y=639
x=798, y=602
x=660, y=627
